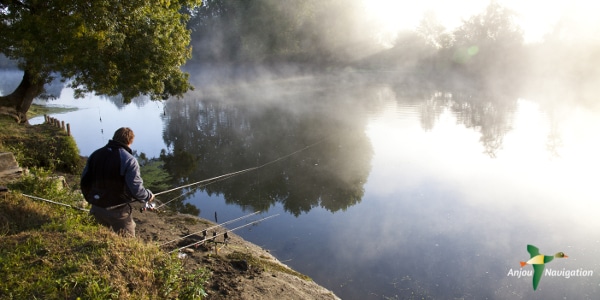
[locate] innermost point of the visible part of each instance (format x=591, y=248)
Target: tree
x=109, y=47
x=433, y=32
x=490, y=42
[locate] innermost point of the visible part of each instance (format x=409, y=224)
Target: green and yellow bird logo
x=538, y=261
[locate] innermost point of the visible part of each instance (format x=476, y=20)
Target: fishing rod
x=148, y=206
x=212, y=227
x=206, y=238
x=223, y=233
x=228, y=175
x=152, y=206
x=210, y=181
x=54, y=202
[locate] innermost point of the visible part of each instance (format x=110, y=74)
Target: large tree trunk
x=19, y=101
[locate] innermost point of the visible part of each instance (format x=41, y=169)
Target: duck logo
x=538, y=261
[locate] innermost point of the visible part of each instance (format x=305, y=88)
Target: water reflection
x=489, y=112
x=465, y=218
x=329, y=153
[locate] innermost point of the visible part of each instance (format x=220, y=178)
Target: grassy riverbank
x=50, y=251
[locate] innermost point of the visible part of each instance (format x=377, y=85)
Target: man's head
x=124, y=135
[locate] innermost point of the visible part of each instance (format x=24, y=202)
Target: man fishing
x=111, y=181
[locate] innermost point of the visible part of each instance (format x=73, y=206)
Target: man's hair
x=124, y=135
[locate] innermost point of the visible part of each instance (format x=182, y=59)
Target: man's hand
x=151, y=196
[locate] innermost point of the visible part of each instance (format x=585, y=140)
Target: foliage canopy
x=110, y=47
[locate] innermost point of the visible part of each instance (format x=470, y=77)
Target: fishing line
x=53, y=202
x=210, y=181
x=212, y=227
x=222, y=233
x=228, y=175
x=225, y=176
x=101, y=128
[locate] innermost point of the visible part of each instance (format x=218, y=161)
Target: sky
x=536, y=17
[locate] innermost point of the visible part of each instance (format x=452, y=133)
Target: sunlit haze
x=536, y=17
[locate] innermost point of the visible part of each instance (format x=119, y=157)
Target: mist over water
x=407, y=189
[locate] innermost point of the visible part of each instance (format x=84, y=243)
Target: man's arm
x=133, y=179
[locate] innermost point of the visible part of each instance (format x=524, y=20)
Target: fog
x=496, y=46
x=528, y=46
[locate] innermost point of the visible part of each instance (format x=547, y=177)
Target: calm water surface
x=400, y=192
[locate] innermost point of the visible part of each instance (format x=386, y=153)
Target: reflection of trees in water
x=156, y=178
x=208, y=139
x=554, y=141
x=432, y=108
x=557, y=105
x=488, y=113
x=558, y=98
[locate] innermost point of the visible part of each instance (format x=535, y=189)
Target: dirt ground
x=239, y=269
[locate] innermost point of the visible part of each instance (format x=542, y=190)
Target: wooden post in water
x=68, y=129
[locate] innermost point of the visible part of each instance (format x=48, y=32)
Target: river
x=383, y=190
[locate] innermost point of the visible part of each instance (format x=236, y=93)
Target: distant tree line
x=488, y=45
x=330, y=32
x=315, y=32
x=327, y=33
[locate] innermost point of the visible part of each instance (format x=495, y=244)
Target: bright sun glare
x=536, y=17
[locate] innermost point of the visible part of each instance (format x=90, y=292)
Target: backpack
x=102, y=184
